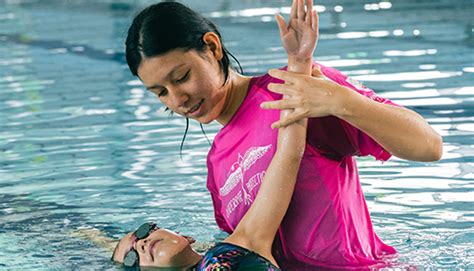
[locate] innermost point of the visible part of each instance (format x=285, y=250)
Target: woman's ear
x=214, y=43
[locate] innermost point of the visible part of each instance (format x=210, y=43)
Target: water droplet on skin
x=161, y=253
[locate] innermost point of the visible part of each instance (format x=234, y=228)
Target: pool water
x=83, y=145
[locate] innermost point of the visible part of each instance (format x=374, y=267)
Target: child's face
x=162, y=248
x=188, y=83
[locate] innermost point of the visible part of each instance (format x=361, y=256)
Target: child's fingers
x=300, y=10
x=315, y=21
x=281, y=24
x=294, y=7
x=309, y=11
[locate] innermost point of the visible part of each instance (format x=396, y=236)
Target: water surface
x=82, y=144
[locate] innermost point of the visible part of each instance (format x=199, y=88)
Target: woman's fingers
x=281, y=24
x=293, y=117
x=284, y=89
x=316, y=71
x=286, y=76
x=279, y=104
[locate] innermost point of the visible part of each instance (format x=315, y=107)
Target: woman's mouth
x=195, y=110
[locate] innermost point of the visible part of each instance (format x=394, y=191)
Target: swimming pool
x=82, y=144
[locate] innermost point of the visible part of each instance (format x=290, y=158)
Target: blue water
x=83, y=145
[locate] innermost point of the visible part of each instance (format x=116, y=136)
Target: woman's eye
x=182, y=79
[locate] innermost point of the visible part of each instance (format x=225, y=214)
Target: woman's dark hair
x=166, y=26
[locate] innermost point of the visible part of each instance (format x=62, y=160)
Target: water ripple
x=84, y=145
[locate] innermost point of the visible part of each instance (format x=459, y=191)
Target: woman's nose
x=181, y=98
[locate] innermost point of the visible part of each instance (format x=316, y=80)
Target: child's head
x=152, y=246
x=178, y=54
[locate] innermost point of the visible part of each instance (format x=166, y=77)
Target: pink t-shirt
x=327, y=223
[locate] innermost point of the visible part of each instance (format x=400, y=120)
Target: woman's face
x=188, y=83
x=162, y=248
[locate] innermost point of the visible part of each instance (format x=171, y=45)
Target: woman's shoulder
x=259, y=85
x=264, y=79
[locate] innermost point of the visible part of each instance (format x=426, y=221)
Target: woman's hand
x=300, y=36
x=308, y=96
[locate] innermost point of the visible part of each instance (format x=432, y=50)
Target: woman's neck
x=237, y=88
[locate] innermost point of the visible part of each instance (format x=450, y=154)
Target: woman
x=179, y=56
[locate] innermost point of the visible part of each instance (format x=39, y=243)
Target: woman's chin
x=204, y=119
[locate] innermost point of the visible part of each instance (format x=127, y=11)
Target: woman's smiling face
x=189, y=83
x=162, y=248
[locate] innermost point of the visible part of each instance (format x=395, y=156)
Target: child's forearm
x=302, y=66
x=97, y=237
x=280, y=178
x=259, y=225
x=264, y=217
x=295, y=133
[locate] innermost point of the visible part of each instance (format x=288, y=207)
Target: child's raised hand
x=300, y=36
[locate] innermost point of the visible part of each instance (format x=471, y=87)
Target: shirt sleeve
x=216, y=202
x=337, y=138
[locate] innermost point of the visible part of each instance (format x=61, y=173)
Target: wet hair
x=167, y=26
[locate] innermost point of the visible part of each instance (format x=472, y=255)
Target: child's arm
x=97, y=237
x=300, y=36
x=257, y=229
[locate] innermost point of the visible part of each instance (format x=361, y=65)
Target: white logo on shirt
x=238, y=169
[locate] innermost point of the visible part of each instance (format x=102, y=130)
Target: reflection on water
x=84, y=145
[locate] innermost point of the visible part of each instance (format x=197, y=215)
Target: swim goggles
x=131, y=258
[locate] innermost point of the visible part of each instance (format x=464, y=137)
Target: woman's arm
x=400, y=131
